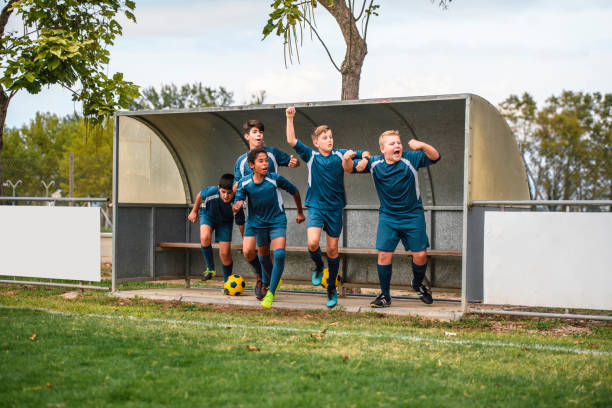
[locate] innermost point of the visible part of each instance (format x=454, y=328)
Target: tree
x=189, y=96
x=566, y=145
x=64, y=43
x=352, y=19
x=40, y=152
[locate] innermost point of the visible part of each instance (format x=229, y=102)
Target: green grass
x=176, y=354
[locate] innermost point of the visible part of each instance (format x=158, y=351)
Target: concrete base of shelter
x=299, y=301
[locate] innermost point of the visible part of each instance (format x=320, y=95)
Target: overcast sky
x=492, y=48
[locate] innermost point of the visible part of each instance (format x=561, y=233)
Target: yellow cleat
x=267, y=300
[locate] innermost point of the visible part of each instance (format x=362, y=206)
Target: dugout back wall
x=163, y=159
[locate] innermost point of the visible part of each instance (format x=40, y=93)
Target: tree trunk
x=4, y=103
x=356, y=48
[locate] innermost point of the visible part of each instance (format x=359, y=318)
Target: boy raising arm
x=253, y=131
x=401, y=215
x=213, y=206
x=266, y=222
x=325, y=198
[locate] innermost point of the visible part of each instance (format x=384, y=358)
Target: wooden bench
x=304, y=249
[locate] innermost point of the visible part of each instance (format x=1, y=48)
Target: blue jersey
x=325, y=177
x=397, y=184
x=264, y=200
x=216, y=209
x=275, y=158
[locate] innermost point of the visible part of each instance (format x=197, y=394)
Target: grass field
x=93, y=350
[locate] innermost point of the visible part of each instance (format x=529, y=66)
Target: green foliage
x=66, y=43
x=186, y=96
x=566, y=145
x=286, y=15
x=189, y=96
x=40, y=151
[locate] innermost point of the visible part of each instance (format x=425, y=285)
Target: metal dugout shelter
x=163, y=158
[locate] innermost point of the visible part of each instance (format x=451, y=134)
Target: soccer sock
x=277, y=270
x=227, y=271
x=334, y=265
x=266, y=266
x=256, y=265
x=384, y=276
x=317, y=259
x=208, y=257
x=419, y=274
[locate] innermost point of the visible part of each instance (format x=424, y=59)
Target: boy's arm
x=347, y=161
x=291, y=139
x=365, y=158
x=298, y=203
x=193, y=215
x=429, y=150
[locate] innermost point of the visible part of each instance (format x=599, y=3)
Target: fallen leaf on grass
x=316, y=335
x=252, y=348
x=323, y=331
x=334, y=324
x=48, y=385
x=345, y=357
x=33, y=338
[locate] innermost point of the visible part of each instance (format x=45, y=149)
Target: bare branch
x=313, y=29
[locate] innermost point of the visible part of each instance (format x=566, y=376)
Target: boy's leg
x=415, y=239
x=225, y=253
x=314, y=250
x=333, y=262
x=385, y=270
x=278, y=240
x=248, y=249
x=387, y=238
x=263, y=253
x=205, y=238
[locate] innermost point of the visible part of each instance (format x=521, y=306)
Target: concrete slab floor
x=439, y=310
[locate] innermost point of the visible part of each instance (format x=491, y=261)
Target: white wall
x=548, y=259
x=50, y=242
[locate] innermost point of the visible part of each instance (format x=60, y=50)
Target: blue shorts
x=263, y=235
x=223, y=231
x=329, y=220
x=408, y=228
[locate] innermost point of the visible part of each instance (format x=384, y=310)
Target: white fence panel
x=50, y=242
x=548, y=259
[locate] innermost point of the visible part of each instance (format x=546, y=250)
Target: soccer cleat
x=267, y=300
x=208, y=274
x=381, y=301
x=316, y=277
x=259, y=294
x=332, y=297
x=424, y=293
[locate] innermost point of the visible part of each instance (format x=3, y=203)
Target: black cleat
x=381, y=301
x=259, y=294
x=424, y=293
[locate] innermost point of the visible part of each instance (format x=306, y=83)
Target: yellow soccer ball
x=326, y=275
x=234, y=285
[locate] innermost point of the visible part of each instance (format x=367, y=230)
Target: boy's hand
x=237, y=206
x=290, y=112
x=294, y=162
x=348, y=155
x=415, y=144
x=193, y=216
x=300, y=218
x=362, y=164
